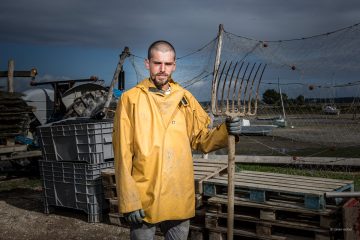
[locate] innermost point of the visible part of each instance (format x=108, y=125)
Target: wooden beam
x=10, y=76
x=288, y=160
x=31, y=73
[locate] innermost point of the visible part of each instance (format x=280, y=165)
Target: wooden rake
x=235, y=93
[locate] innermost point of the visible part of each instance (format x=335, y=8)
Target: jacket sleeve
x=128, y=195
x=203, y=138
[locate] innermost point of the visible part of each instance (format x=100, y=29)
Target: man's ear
x=174, y=67
x=147, y=64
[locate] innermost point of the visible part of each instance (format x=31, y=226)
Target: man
x=156, y=125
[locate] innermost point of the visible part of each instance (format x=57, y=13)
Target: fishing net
x=308, y=99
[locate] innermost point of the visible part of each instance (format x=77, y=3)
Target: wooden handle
x=231, y=173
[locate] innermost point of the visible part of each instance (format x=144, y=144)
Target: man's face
x=161, y=65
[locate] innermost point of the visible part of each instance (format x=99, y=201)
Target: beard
x=160, y=80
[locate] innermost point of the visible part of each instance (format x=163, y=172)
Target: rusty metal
x=237, y=89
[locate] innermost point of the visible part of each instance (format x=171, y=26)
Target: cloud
x=186, y=23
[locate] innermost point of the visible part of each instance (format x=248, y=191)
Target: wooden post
x=231, y=187
x=231, y=140
x=123, y=55
x=216, y=67
x=10, y=76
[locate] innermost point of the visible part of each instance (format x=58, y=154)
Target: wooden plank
x=215, y=173
x=108, y=177
x=113, y=205
x=287, y=224
x=118, y=220
x=263, y=229
x=20, y=155
x=108, y=171
x=263, y=185
x=298, y=177
x=277, y=214
x=326, y=216
x=10, y=76
x=289, y=160
x=219, y=233
x=207, y=163
x=196, y=233
x=199, y=176
x=211, y=161
x=11, y=149
x=110, y=192
x=323, y=187
x=205, y=169
x=289, y=182
x=312, y=200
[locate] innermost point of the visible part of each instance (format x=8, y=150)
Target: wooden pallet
x=219, y=233
x=196, y=231
x=273, y=219
x=108, y=177
x=118, y=220
x=205, y=169
x=111, y=195
x=263, y=186
x=113, y=203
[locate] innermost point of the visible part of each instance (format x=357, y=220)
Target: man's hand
x=135, y=217
x=233, y=125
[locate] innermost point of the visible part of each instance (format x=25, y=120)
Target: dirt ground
x=22, y=217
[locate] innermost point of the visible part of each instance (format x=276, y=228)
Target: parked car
x=331, y=110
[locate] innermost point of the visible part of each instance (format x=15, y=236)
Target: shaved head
x=162, y=46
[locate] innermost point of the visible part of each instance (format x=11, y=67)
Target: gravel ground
x=22, y=217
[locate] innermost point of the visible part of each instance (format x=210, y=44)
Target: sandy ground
x=22, y=217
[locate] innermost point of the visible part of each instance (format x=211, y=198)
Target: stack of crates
x=75, y=151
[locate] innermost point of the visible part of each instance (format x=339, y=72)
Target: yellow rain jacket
x=153, y=137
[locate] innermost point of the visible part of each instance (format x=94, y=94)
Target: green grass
x=355, y=176
x=10, y=184
x=344, y=152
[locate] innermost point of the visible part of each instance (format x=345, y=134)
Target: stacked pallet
x=14, y=115
x=274, y=206
x=75, y=151
x=203, y=170
x=267, y=205
x=110, y=194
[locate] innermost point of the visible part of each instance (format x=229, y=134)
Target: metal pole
x=342, y=194
x=281, y=99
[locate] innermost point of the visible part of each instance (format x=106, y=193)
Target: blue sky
x=73, y=39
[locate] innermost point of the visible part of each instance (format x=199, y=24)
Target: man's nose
x=162, y=67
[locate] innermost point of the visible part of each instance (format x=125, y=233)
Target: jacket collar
x=147, y=85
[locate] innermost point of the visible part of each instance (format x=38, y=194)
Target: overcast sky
x=77, y=38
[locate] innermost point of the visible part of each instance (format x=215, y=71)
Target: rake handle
x=231, y=187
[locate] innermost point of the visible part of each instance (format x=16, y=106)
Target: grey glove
x=135, y=217
x=233, y=125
